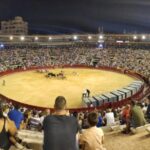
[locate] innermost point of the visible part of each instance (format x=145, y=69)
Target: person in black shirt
x=60, y=130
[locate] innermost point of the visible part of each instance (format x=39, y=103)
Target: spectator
x=137, y=115
x=4, y=138
x=92, y=138
x=148, y=109
x=126, y=114
x=34, y=122
x=100, y=121
x=7, y=132
x=60, y=130
x=16, y=116
x=110, y=119
x=43, y=115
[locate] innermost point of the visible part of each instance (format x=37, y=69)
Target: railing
x=138, y=96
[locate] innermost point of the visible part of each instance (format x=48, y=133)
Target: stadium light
x=100, y=46
x=22, y=38
x=89, y=37
x=134, y=37
x=2, y=46
x=101, y=37
x=11, y=37
x=143, y=37
x=75, y=37
x=50, y=38
x=36, y=38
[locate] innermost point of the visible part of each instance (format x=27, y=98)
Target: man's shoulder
x=93, y=130
x=53, y=117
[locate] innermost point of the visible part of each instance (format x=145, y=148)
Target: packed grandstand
x=29, y=124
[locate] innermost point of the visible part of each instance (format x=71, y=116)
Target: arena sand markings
x=35, y=89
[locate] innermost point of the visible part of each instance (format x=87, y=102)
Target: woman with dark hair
x=7, y=131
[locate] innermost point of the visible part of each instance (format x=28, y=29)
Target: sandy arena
x=35, y=89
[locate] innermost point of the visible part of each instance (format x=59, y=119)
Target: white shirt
x=110, y=119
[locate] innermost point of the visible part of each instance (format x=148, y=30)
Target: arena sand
x=35, y=89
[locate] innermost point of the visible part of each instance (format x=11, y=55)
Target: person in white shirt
x=110, y=119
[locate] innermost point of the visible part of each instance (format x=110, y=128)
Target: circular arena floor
x=33, y=88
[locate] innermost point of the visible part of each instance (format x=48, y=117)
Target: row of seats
x=34, y=137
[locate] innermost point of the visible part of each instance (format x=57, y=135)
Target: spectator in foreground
x=7, y=132
x=60, y=130
x=16, y=116
x=93, y=137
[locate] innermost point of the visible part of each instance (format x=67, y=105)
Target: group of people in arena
x=137, y=60
x=68, y=130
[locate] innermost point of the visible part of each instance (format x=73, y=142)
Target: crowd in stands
x=135, y=60
x=61, y=126
x=14, y=117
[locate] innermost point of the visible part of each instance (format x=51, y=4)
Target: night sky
x=80, y=16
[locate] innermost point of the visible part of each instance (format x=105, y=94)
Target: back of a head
x=93, y=119
x=34, y=113
x=17, y=106
x=60, y=103
x=108, y=110
x=127, y=106
x=133, y=103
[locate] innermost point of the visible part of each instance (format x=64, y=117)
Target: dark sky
x=79, y=16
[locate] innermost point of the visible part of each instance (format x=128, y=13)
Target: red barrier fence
x=138, y=96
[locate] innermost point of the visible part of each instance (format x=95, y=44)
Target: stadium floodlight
x=143, y=37
x=22, y=38
x=134, y=37
x=100, y=46
x=2, y=46
x=101, y=37
x=11, y=37
x=75, y=37
x=36, y=38
x=50, y=38
x=89, y=37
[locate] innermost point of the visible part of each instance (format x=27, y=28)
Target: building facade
x=14, y=27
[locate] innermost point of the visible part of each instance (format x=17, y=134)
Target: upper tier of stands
x=128, y=59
